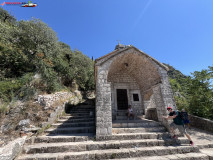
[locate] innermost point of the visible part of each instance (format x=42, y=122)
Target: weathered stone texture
x=103, y=105
x=138, y=73
x=201, y=123
x=12, y=150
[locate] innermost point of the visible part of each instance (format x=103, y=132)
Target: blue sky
x=177, y=32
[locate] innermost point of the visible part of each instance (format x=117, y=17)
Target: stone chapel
x=128, y=76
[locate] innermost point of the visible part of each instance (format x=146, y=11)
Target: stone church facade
x=128, y=76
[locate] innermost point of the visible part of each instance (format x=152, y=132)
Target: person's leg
x=133, y=115
x=188, y=136
x=188, y=125
x=182, y=129
x=172, y=130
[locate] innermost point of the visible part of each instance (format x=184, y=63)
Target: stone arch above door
x=145, y=71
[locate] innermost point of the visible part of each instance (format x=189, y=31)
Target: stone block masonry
x=61, y=97
x=103, y=105
x=11, y=150
x=134, y=73
x=201, y=123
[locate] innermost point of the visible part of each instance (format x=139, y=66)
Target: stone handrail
x=201, y=123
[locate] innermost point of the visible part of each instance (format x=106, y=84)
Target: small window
x=135, y=97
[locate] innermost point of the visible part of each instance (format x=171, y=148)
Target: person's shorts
x=186, y=121
x=181, y=128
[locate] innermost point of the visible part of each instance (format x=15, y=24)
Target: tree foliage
x=30, y=48
x=195, y=92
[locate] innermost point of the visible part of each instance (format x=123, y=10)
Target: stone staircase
x=81, y=120
x=72, y=138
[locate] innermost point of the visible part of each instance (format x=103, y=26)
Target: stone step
x=185, y=156
x=135, y=124
x=79, y=124
x=126, y=113
x=71, y=112
x=70, y=130
x=122, y=113
x=138, y=130
x=85, y=137
x=130, y=136
x=140, y=120
x=70, y=134
x=207, y=151
x=113, y=153
x=76, y=120
x=83, y=107
x=125, y=118
x=61, y=138
x=96, y=145
x=75, y=117
x=80, y=114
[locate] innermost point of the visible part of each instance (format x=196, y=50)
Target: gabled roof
x=104, y=58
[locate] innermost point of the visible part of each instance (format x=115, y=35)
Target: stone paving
x=153, y=144
x=200, y=137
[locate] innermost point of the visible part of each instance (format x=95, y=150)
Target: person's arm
x=170, y=117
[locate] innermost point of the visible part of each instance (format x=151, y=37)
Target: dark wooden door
x=122, y=100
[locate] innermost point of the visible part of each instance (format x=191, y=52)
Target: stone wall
x=60, y=97
x=33, y=115
x=151, y=113
x=52, y=104
x=149, y=101
x=147, y=73
x=50, y=99
x=163, y=96
x=201, y=123
x=103, y=104
x=124, y=81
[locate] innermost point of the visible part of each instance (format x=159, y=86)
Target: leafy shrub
x=10, y=87
x=31, y=47
x=3, y=108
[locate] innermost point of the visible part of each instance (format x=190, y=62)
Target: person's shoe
x=174, y=137
x=191, y=143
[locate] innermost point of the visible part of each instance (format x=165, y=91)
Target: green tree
x=29, y=48
x=201, y=94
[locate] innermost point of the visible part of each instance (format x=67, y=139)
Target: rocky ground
x=23, y=116
x=200, y=137
x=19, y=116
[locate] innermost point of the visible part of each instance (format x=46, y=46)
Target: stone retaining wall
x=50, y=99
x=13, y=148
x=201, y=123
x=65, y=97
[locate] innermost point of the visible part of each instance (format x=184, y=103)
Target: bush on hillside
x=29, y=48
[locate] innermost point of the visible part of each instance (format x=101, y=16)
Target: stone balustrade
x=201, y=123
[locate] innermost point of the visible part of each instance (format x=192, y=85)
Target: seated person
x=130, y=112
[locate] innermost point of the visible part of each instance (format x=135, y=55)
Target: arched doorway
x=130, y=75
